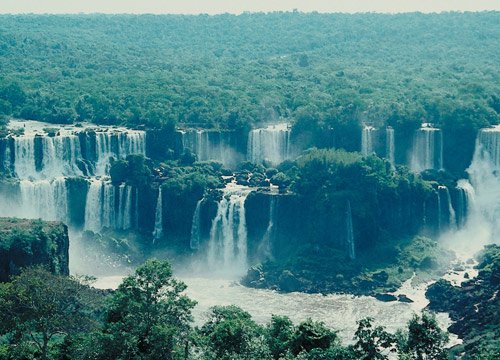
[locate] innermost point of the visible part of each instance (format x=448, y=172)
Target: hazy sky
x=238, y=6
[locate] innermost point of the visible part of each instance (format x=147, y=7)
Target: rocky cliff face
x=32, y=242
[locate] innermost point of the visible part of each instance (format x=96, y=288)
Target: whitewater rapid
x=339, y=312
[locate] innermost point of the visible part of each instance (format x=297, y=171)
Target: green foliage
x=372, y=342
x=279, y=334
x=32, y=242
x=424, y=340
x=230, y=333
x=281, y=180
x=133, y=170
x=227, y=71
x=192, y=180
x=148, y=316
x=311, y=335
x=37, y=307
x=383, y=269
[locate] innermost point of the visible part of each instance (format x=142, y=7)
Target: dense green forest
x=226, y=71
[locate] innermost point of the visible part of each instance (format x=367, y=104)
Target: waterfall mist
x=227, y=247
x=427, y=152
x=482, y=196
x=271, y=144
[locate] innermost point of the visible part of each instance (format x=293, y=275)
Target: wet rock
x=458, y=268
x=254, y=278
x=385, y=297
x=405, y=299
x=288, y=282
x=380, y=276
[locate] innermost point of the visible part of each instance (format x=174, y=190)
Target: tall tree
x=149, y=316
x=37, y=306
x=424, y=340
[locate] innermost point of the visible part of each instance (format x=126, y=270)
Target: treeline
x=226, y=71
x=45, y=316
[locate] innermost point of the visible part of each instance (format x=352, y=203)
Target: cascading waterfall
x=195, y=240
x=484, y=174
x=465, y=201
x=40, y=156
x=198, y=142
x=265, y=247
x=158, y=230
x=482, y=196
x=42, y=159
x=60, y=156
x=389, y=146
x=24, y=155
x=117, y=145
x=271, y=144
x=108, y=206
x=227, y=247
x=136, y=209
x=210, y=146
x=93, y=206
x=446, y=213
x=124, y=216
x=103, y=152
x=427, y=152
x=367, y=140
x=44, y=199
x=351, y=246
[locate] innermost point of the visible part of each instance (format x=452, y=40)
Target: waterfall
x=265, y=247
x=198, y=142
x=158, y=230
x=209, y=146
x=117, y=145
x=131, y=142
x=124, y=216
x=103, y=152
x=60, y=156
x=350, y=233
x=44, y=199
x=227, y=247
x=136, y=209
x=482, y=197
x=108, y=206
x=93, y=206
x=446, y=213
x=271, y=144
x=367, y=140
x=47, y=157
x=389, y=145
x=196, y=227
x=41, y=159
x=427, y=152
x=24, y=157
x=484, y=174
x=465, y=201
